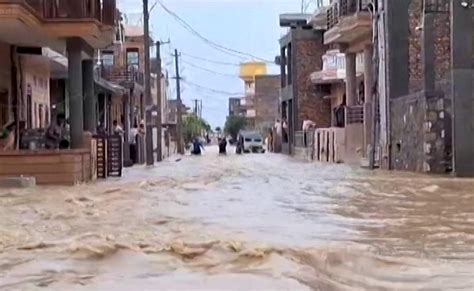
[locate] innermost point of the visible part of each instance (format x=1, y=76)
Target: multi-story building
x=74, y=28
x=236, y=108
x=410, y=103
x=248, y=72
x=123, y=64
x=301, y=54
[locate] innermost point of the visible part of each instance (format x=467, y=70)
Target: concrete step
x=17, y=182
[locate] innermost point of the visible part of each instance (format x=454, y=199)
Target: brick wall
x=421, y=133
x=308, y=59
x=442, y=45
x=267, y=99
x=415, y=45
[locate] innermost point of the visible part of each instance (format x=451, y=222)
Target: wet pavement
x=254, y=222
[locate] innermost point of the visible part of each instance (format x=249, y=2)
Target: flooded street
x=255, y=222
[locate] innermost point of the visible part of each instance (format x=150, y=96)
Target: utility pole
x=200, y=109
x=148, y=97
x=196, y=107
x=179, y=118
x=159, y=126
x=374, y=87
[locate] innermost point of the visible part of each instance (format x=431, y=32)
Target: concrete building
x=413, y=104
x=301, y=54
x=248, y=73
x=72, y=28
x=349, y=28
x=236, y=108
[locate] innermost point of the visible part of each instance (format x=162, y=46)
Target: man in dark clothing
x=223, y=146
x=196, y=147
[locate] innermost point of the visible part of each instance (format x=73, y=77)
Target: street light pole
x=148, y=97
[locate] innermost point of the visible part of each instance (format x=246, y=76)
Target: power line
x=210, y=71
x=216, y=91
x=221, y=48
x=210, y=61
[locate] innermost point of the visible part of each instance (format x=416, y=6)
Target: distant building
x=248, y=73
x=235, y=107
x=172, y=111
x=266, y=101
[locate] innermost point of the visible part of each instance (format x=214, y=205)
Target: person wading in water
x=223, y=146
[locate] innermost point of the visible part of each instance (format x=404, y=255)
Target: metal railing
x=341, y=8
x=104, y=11
x=122, y=74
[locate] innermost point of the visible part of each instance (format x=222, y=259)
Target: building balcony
x=348, y=22
x=124, y=76
x=49, y=22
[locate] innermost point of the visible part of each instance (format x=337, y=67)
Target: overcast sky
x=250, y=26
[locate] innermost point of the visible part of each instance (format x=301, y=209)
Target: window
x=108, y=58
x=133, y=58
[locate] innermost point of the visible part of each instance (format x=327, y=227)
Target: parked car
x=252, y=142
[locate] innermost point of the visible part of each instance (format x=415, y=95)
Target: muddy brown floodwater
x=256, y=222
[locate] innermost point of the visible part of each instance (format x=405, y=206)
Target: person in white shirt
x=132, y=139
x=278, y=127
x=117, y=128
x=308, y=125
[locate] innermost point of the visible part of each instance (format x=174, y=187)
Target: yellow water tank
x=249, y=70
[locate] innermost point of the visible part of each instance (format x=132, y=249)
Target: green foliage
x=234, y=124
x=194, y=126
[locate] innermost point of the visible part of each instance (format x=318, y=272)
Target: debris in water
x=431, y=189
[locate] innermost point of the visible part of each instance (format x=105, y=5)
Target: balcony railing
x=103, y=11
x=341, y=8
x=120, y=75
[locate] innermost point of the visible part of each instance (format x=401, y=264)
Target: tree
x=194, y=126
x=234, y=124
x=218, y=129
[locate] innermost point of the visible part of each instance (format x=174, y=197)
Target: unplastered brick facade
x=267, y=96
x=311, y=105
x=437, y=23
x=421, y=134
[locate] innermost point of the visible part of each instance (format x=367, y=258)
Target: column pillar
x=351, y=82
x=76, y=117
x=90, y=116
x=462, y=89
x=368, y=98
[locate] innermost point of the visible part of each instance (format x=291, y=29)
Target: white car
x=252, y=142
